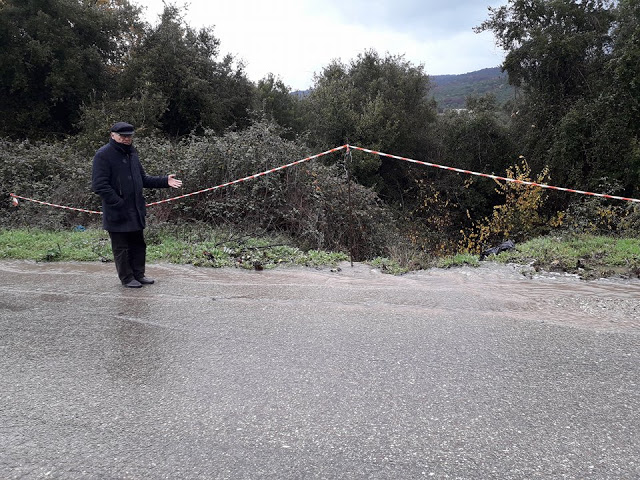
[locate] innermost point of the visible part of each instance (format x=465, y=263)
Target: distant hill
x=451, y=91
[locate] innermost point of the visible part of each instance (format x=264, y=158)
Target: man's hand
x=174, y=182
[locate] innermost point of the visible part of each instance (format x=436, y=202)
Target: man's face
x=124, y=139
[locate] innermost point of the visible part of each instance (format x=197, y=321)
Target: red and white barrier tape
x=14, y=201
x=495, y=177
x=333, y=150
x=250, y=177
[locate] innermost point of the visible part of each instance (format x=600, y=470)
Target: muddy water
x=305, y=373
x=606, y=304
x=491, y=290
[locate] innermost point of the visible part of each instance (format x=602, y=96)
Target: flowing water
x=317, y=373
x=561, y=299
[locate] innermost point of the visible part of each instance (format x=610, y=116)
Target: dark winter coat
x=118, y=177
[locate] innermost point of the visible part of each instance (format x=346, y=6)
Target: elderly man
x=118, y=177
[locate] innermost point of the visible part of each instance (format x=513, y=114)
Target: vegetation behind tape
x=70, y=68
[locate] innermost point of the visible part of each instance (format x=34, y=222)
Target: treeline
x=70, y=68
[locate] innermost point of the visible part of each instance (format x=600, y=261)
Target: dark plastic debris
x=504, y=246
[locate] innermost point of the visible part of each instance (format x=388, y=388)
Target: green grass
x=87, y=246
x=201, y=247
x=586, y=255
x=387, y=265
x=589, y=256
x=458, y=260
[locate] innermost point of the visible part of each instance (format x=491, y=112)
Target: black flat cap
x=123, y=128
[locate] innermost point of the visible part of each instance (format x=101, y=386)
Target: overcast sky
x=294, y=39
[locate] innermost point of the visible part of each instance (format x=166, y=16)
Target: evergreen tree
x=275, y=101
x=569, y=60
x=378, y=103
x=179, y=64
x=56, y=54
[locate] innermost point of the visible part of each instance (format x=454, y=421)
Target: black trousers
x=129, y=253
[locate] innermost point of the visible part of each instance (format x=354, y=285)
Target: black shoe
x=133, y=284
x=146, y=280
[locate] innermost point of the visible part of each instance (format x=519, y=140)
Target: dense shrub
x=518, y=218
x=52, y=172
x=310, y=202
x=596, y=216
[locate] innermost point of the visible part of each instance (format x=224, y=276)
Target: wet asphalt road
x=292, y=374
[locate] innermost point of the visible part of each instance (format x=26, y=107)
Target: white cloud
x=295, y=39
